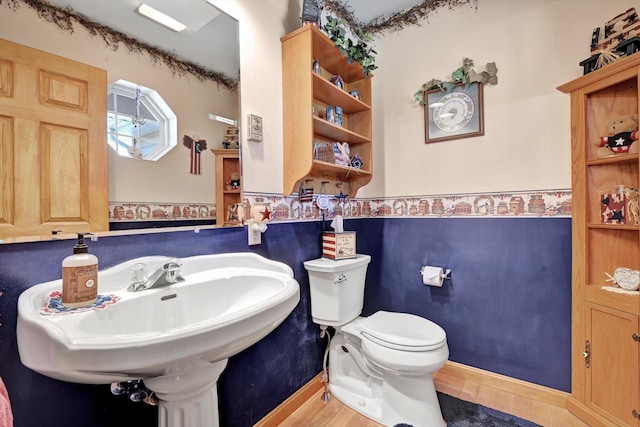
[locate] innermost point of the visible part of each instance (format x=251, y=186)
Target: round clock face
x=455, y=111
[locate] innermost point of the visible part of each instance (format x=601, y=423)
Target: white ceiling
x=214, y=45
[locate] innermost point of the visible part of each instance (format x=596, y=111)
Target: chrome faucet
x=167, y=274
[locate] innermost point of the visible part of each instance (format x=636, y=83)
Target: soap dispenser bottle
x=79, y=276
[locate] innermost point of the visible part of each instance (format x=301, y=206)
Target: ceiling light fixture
x=161, y=18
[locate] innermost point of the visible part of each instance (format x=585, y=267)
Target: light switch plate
x=254, y=125
x=255, y=236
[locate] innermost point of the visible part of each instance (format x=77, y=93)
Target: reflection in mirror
x=140, y=124
x=195, y=71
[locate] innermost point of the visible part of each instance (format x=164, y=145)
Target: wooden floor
x=316, y=413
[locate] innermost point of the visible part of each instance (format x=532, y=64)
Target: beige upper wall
x=537, y=45
x=168, y=179
x=262, y=23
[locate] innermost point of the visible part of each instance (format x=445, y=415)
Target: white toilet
x=381, y=365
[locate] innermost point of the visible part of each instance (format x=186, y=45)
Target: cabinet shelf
x=337, y=133
x=623, y=158
x=327, y=92
x=306, y=94
x=623, y=302
x=323, y=49
x=327, y=169
x=628, y=227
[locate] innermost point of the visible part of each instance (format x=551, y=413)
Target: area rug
x=460, y=413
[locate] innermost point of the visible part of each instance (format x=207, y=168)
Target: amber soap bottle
x=79, y=276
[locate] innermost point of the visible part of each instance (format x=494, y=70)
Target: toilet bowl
x=382, y=365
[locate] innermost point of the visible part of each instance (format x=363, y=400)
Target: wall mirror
x=210, y=40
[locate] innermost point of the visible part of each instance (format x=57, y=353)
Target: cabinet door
x=53, y=149
x=612, y=374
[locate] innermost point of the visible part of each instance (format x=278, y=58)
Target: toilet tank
x=337, y=289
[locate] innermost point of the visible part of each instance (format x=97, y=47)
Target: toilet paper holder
x=446, y=274
x=434, y=276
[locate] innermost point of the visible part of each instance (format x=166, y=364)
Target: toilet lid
x=403, y=331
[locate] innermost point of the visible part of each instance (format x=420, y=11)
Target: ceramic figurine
x=330, y=114
x=356, y=162
x=338, y=116
x=337, y=80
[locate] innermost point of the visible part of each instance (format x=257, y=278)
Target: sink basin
x=173, y=337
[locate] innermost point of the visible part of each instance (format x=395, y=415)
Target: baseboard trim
x=289, y=406
x=587, y=415
x=512, y=385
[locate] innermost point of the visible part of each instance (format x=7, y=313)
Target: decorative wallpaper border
x=279, y=208
x=163, y=211
x=547, y=203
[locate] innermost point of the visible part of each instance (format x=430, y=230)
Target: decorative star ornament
x=266, y=214
x=617, y=216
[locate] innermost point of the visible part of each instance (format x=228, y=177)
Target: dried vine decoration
x=398, y=20
x=64, y=18
x=341, y=12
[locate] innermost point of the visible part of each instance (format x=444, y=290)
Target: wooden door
x=53, y=149
x=612, y=373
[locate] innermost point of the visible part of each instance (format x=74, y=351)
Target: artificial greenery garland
x=65, y=18
x=465, y=74
x=356, y=51
x=398, y=20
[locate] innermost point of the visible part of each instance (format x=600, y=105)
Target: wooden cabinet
x=308, y=135
x=611, y=387
x=605, y=371
x=228, y=190
x=53, y=145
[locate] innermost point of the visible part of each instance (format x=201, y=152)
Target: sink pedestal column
x=188, y=394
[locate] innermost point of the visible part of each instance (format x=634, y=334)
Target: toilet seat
x=403, y=331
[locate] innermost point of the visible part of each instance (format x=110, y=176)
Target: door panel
x=53, y=127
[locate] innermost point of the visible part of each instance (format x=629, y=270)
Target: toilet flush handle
x=341, y=279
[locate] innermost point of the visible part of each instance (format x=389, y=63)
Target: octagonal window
x=140, y=124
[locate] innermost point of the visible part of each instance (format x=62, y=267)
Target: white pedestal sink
x=177, y=338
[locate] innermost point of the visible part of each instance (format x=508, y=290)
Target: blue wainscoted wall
x=506, y=308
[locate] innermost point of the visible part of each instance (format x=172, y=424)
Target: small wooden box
x=339, y=245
